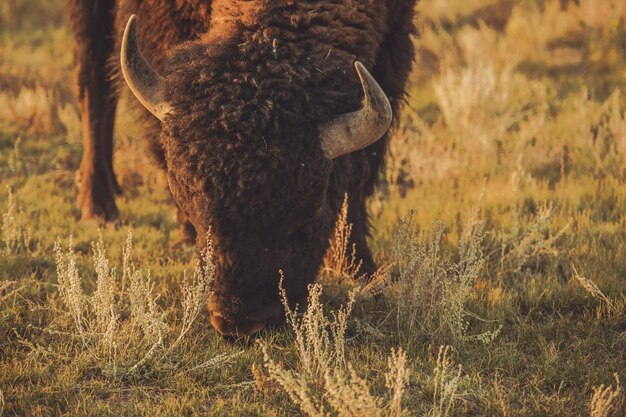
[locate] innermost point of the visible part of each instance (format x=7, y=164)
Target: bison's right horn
x=145, y=83
x=354, y=131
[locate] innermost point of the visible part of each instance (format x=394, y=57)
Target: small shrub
x=320, y=342
x=69, y=118
x=129, y=325
x=326, y=385
x=526, y=245
x=433, y=289
x=478, y=103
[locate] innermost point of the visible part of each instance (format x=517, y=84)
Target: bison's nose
x=240, y=329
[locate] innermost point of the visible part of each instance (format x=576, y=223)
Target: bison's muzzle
x=246, y=327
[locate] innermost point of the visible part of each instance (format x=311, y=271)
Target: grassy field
x=500, y=231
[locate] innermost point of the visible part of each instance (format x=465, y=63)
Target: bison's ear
x=145, y=83
x=354, y=131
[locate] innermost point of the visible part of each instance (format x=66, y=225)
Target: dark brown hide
x=249, y=83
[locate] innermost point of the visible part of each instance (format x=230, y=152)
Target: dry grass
x=446, y=381
x=16, y=236
x=31, y=110
x=606, y=400
x=609, y=307
x=341, y=261
x=514, y=108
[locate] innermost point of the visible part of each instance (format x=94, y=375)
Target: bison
x=263, y=113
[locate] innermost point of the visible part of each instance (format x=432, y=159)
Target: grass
x=500, y=232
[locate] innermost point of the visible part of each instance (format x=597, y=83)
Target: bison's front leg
x=92, y=26
x=95, y=178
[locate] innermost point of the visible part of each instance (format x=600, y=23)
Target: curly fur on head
x=249, y=82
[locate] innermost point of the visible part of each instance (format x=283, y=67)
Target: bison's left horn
x=353, y=131
x=145, y=83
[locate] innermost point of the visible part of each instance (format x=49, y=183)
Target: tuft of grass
x=4, y=290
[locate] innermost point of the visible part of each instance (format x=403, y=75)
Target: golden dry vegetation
x=500, y=231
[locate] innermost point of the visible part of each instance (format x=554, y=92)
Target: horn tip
x=130, y=25
x=360, y=68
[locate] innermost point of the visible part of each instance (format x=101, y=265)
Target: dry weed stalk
x=592, y=288
x=218, y=360
x=197, y=291
x=605, y=399
x=16, y=165
x=103, y=299
x=341, y=257
x=447, y=377
x=4, y=286
x=70, y=286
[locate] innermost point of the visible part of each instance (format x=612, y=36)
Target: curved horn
x=353, y=131
x=145, y=83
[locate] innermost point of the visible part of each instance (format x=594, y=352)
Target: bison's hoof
x=99, y=213
x=99, y=208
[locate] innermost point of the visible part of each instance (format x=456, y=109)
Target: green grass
x=516, y=125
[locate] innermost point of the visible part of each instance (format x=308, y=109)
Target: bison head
x=249, y=153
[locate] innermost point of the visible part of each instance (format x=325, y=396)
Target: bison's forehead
x=242, y=142
x=277, y=61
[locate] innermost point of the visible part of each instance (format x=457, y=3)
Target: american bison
x=255, y=111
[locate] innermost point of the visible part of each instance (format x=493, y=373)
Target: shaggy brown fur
x=249, y=82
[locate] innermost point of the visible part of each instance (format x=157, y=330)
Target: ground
x=500, y=229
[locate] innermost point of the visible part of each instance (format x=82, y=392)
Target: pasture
x=500, y=235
